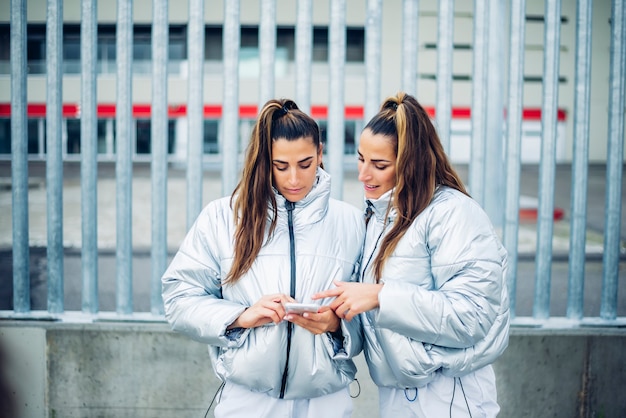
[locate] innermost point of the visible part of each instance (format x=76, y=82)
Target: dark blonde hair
x=253, y=197
x=421, y=165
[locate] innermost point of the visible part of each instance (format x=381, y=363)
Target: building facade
x=285, y=77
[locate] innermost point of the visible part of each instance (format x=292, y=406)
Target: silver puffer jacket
x=326, y=246
x=444, y=305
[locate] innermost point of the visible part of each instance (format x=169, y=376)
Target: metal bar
x=159, y=140
x=89, y=155
x=230, y=118
x=19, y=159
x=195, y=110
x=578, y=234
x=304, y=52
x=493, y=202
x=445, y=39
x=54, y=160
x=545, y=217
x=479, y=103
x=614, y=167
x=373, y=41
x=124, y=166
x=513, y=144
x=267, y=51
x=410, y=25
x=335, y=137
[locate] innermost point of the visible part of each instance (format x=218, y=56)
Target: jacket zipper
x=292, y=290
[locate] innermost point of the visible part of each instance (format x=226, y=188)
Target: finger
x=330, y=293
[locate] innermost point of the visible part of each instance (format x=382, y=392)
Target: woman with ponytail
x=432, y=298
x=279, y=238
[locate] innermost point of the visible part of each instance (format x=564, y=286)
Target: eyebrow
x=375, y=161
x=304, y=160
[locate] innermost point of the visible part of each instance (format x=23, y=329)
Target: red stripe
x=214, y=111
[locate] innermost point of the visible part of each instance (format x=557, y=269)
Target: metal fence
x=487, y=132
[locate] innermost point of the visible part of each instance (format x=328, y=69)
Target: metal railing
x=485, y=173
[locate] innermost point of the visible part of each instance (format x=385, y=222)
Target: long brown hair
x=421, y=165
x=253, y=197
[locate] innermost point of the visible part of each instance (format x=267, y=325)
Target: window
x=211, y=145
x=213, y=43
x=71, y=49
x=36, y=49
x=143, y=143
x=349, y=133
x=5, y=136
x=355, y=44
x=73, y=136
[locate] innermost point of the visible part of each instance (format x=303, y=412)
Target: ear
x=320, y=154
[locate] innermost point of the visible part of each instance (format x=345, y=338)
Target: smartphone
x=292, y=307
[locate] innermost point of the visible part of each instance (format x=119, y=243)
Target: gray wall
x=145, y=370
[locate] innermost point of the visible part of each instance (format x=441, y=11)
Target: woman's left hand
x=325, y=320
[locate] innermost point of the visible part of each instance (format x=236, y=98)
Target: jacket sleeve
x=191, y=288
x=467, y=268
x=352, y=331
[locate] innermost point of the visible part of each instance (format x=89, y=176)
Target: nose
x=293, y=176
x=364, y=172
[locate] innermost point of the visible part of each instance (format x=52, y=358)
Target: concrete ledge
x=126, y=369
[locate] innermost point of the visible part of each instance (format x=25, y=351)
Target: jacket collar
x=379, y=206
x=313, y=206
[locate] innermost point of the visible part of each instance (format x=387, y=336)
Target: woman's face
x=377, y=164
x=294, y=165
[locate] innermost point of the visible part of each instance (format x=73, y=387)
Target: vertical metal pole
x=479, y=103
x=613, y=207
x=578, y=235
x=304, y=51
x=494, y=161
x=159, y=135
x=513, y=144
x=267, y=51
x=445, y=46
x=124, y=163
x=19, y=159
x=373, y=41
x=89, y=155
x=230, y=117
x=54, y=160
x=410, y=25
x=195, y=109
x=545, y=224
x=336, y=63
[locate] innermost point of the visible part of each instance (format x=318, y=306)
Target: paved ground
x=212, y=189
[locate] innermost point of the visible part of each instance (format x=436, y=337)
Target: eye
x=381, y=167
x=280, y=167
x=360, y=158
x=305, y=166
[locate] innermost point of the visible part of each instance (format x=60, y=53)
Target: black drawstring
x=464, y=397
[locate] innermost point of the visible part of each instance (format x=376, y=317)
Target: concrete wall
x=145, y=370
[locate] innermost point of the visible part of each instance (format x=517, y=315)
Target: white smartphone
x=292, y=307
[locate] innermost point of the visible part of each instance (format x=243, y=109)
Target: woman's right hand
x=351, y=298
x=267, y=309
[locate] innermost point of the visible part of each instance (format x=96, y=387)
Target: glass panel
x=211, y=145
x=33, y=135
x=5, y=136
x=73, y=136
x=143, y=136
